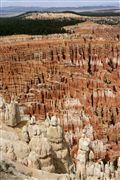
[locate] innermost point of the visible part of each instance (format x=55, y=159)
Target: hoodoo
x=60, y=102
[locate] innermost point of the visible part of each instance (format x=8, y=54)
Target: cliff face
x=76, y=78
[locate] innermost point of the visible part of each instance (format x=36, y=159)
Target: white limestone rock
x=33, y=160
x=25, y=134
x=91, y=156
x=98, y=146
x=42, y=148
x=2, y=109
x=11, y=154
x=12, y=114
x=90, y=168
x=9, y=135
x=84, y=143
x=88, y=131
x=82, y=156
x=97, y=170
x=61, y=154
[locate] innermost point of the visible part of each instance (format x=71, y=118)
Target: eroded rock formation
x=74, y=77
x=42, y=146
x=39, y=146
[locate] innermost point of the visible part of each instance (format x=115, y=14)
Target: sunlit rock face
x=74, y=78
x=38, y=148
x=88, y=168
x=11, y=113
x=35, y=146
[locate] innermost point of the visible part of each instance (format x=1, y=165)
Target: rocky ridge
x=113, y=20
x=46, y=16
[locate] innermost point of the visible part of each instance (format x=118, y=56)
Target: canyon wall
x=75, y=78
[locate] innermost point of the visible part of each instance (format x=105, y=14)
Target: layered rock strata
x=42, y=146
x=89, y=168
x=32, y=146
x=61, y=153
x=75, y=77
